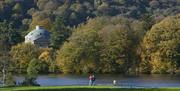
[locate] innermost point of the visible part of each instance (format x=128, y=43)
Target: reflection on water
x=137, y=81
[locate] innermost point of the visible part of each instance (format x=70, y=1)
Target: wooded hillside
x=92, y=36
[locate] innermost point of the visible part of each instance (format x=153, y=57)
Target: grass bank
x=84, y=88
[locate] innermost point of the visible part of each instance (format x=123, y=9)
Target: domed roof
x=37, y=33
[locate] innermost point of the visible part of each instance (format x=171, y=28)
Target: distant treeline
x=91, y=36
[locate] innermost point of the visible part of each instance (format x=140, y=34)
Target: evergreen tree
x=59, y=33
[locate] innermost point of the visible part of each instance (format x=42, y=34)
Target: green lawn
x=85, y=88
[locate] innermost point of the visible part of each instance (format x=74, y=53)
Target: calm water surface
x=136, y=81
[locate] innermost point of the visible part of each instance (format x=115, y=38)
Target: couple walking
x=92, y=80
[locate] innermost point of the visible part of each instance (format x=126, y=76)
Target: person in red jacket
x=90, y=80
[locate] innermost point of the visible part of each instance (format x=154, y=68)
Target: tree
x=5, y=65
x=9, y=34
x=7, y=39
x=41, y=19
x=17, y=8
x=32, y=73
x=59, y=33
x=80, y=55
x=77, y=11
x=33, y=68
x=100, y=46
x=161, y=47
x=48, y=63
x=22, y=54
x=116, y=49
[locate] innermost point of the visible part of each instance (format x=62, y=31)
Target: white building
x=39, y=37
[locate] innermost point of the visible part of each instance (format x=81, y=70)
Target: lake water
x=125, y=81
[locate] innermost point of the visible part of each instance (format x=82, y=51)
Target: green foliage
x=17, y=8
x=32, y=73
x=59, y=33
x=7, y=39
x=33, y=68
x=8, y=34
x=9, y=81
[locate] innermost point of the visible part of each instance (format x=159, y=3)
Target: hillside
x=91, y=36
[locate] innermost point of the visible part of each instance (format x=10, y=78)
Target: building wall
x=42, y=42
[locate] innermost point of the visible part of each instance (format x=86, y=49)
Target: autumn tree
x=41, y=19
x=80, y=54
x=47, y=60
x=161, y=47
x=116, y=49
x=101, y=45
x=22, y=54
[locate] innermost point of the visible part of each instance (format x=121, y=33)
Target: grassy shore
x=84, y=88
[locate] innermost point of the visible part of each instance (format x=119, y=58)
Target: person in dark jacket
x=93, y=80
